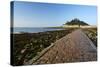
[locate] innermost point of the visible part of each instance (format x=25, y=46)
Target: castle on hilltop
x=76, y=23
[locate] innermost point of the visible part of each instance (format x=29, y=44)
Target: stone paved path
x=74, y=47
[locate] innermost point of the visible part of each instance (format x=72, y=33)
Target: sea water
x=33, y=29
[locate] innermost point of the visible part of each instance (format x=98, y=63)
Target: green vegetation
x=28, y=45
x=76, y=22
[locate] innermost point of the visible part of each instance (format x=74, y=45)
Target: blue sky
x=32, y=14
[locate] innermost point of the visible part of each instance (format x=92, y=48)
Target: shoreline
x=19, y=30
x=29, y=45
x=22, y=32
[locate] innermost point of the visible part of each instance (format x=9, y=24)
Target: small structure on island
x=75, y=23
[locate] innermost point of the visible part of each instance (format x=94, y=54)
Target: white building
x=77, y=26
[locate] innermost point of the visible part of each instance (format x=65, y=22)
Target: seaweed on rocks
x=28, y=45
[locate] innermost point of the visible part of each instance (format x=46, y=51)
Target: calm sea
x=33, y=30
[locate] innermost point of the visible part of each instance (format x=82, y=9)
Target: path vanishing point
x=74, y=47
